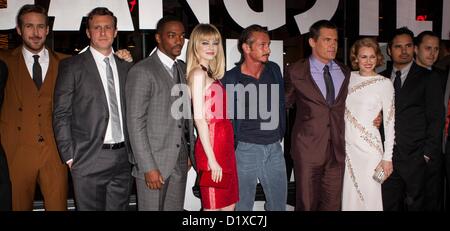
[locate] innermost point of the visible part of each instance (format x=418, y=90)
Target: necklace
x=208, y=70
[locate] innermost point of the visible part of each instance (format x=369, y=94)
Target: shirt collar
x=404, y=71
x=100, y=57
x=166, y=60
x=28, y=55
x=319, y=65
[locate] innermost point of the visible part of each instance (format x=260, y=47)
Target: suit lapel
x=163, y=75
x=52, y=71
x=23, y=76
x=409, y=79
x=93, y=72
x=306, y=75
x=22, y=70
x=411, y=76
x=344, y=86
x=22, y=73
x=409, y=83
x=447, y=92
x=122, y=71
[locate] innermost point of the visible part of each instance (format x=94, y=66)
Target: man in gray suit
x=159, y=137
x=89, y=119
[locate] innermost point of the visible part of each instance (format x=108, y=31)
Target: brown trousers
x=31, y=165
x=319, y=185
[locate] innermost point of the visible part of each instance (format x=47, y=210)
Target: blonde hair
x=365, y=42
x=199, y=34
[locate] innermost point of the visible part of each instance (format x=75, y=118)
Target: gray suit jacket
x=155, y=135
x=81, y=114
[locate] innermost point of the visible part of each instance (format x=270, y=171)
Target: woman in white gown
x=368, y=94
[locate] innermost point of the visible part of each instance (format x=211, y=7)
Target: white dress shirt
x=101, y=67
x=404, y=72
x=44, y=60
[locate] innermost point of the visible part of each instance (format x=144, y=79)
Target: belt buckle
x=113, y=146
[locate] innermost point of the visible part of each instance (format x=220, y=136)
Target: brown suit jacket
x=316, y=123
x=26, y=116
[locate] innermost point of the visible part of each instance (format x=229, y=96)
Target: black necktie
x=329, y=85
x=398, y=82
x=37, y=72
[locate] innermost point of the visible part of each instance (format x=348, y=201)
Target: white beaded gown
x=367, y=96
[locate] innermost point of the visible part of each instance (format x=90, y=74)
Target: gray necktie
x=329, y=85
x=175, y=74
x=177, y=79
x=116, y=130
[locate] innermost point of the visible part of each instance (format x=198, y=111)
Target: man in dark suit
x=5, y=183
x=318, y=87
x=160, y=140
x=446, y=142
x=426, y=48
x=418, y=125
x=89, y=119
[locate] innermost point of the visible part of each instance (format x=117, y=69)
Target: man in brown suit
x=26, y=127
x=318, y=87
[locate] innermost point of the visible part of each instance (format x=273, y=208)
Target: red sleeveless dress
x=222, y=141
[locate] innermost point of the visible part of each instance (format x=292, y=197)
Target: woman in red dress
x=214, y=148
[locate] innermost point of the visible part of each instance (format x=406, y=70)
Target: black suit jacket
x=81, y=113
x=419, y=114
